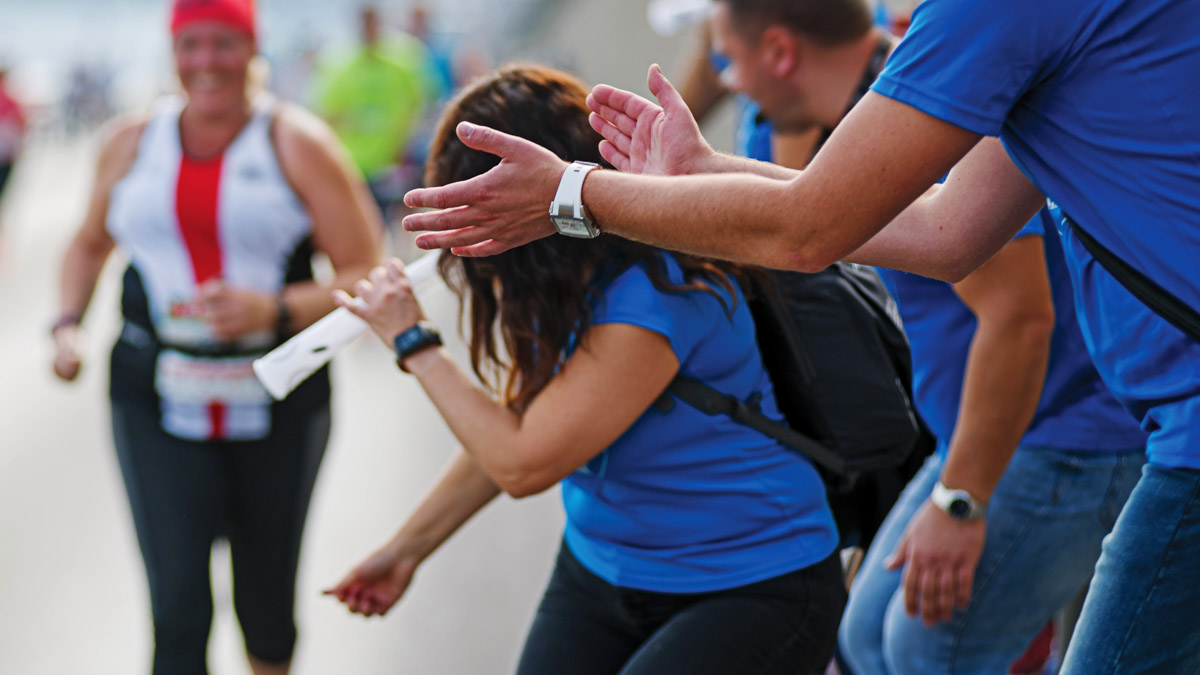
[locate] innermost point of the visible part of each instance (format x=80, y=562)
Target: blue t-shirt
x=1075, y=412
x=683, y=502
x=1097, y=103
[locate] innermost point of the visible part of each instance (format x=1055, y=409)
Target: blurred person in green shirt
x=374, y=97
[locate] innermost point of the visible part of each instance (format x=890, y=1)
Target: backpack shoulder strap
x=1166, y=305
x=712, y=402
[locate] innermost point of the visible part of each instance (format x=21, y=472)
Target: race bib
x=206, y=398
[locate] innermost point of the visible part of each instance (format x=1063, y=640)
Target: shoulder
x=303, y=142
x=119, y=139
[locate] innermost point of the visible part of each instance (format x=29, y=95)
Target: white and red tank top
x=184, y=221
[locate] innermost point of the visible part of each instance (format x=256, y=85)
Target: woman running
x=219, y=199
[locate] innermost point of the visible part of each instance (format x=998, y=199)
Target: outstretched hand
x=939, y=556
x=641, y=137
x=378, y=583
x=504, y=208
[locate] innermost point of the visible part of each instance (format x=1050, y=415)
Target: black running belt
x=1157, y=298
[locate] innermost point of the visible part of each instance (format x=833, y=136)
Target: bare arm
x=377, y=583
x=883, y=157
x=944, y=223
x=615, y=375
x=1006, y=367
x=346, y=223
x=90, y=247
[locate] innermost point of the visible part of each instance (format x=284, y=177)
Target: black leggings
x=585, y=626
x=184, y=494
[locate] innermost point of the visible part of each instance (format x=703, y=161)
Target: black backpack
x=839, y=361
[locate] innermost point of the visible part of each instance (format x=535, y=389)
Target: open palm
x=642, y=137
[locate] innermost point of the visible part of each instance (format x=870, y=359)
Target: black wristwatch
x=420, y=337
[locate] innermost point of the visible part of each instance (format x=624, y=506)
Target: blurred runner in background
x=375, y=98
x=12, y=134
x=219, y=199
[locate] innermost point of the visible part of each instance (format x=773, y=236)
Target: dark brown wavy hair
x=540, y=294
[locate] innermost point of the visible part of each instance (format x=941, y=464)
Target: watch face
x=959, y=508
x=571, y=227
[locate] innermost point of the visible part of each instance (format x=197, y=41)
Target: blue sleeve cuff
x=943, y=109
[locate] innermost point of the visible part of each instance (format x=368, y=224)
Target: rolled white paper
x=285, y=367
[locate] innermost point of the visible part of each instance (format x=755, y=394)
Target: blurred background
x=72, y=585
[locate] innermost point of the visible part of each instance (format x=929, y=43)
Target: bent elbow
x=528, y=486
x=799, y=257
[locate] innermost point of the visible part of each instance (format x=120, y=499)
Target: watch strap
x=958, y=504
x=569, y=196
x=419, y=337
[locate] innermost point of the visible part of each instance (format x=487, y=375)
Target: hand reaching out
x=378, y=583
x=506, y=207
x=641, y=137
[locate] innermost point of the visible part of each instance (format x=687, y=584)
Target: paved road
x=72, y=596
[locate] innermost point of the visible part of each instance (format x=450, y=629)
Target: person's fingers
x=362, y=287
x=448, y=196
x=378, y=275
x=668, y=97
x=356, y=307
x=626, y=102
x=489, y=140
x=438, y=221
x=947, y=584
x=482, y=249
x=467, y=236
x=966, y=579
x=911, y=580
x=898, y=557
x=611, y=134
x=612, y=155
x=395, y=269
x=930, y=601
x=613, y=118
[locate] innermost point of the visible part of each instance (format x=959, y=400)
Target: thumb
x=668, y=97
x=896, y=560
x=487, y=139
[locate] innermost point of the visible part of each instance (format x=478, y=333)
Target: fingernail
x=466, y=129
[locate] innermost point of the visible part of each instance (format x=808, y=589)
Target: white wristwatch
x=958, y=504
x=567, y=212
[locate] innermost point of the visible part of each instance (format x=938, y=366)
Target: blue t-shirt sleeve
x=1036, y=226
x=682, y=318
x=967, y=62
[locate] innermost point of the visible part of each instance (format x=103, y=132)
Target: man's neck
x=839, y=72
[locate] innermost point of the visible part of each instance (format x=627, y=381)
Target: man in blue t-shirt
x=982, y=350
x=1095, y=107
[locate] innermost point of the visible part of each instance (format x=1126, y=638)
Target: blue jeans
x=1046, y=521
x=1141, y=614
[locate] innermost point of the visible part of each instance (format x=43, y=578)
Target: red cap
x=238, y=14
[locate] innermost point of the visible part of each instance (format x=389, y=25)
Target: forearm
x=956, y=226
x=461, y=492
x=1006, y=368
x=81, y=267
x=505, y=451
x=720, y=162
x=747, y=218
